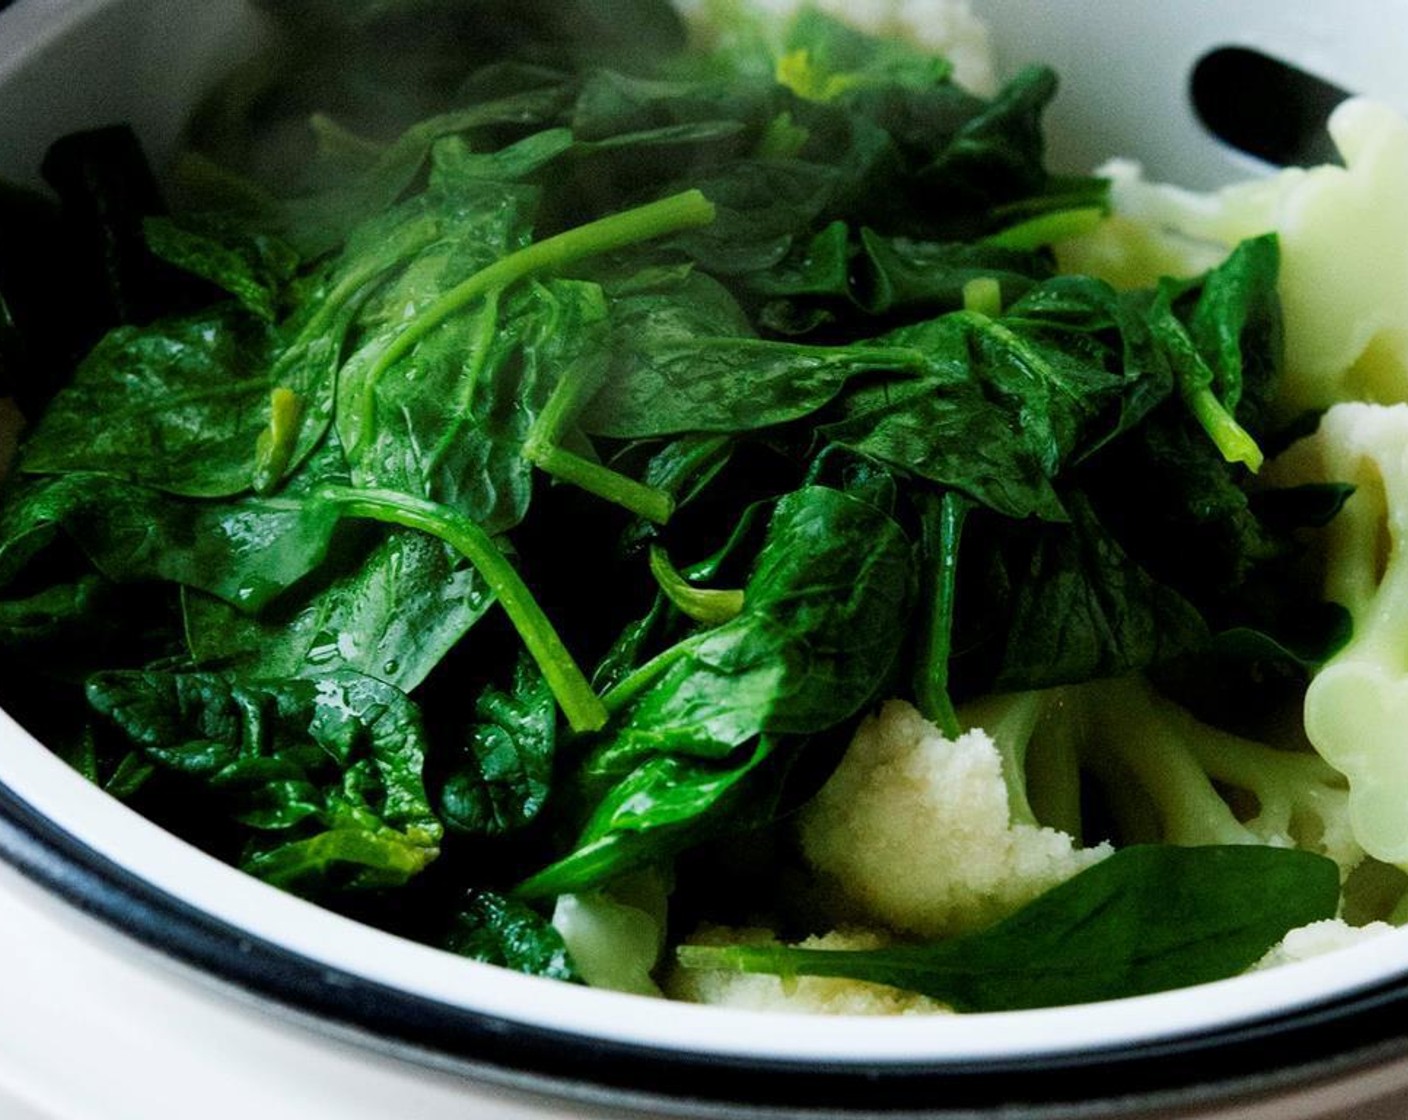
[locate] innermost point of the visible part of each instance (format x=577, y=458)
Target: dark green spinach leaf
x=1145, y=920
x=332, y=769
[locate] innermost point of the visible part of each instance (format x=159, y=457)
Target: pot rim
x=1260, y=1032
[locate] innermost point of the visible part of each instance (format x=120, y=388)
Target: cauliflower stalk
x=1356, y=708
x=1150, y=752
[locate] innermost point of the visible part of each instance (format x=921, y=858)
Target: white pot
x=140, y=978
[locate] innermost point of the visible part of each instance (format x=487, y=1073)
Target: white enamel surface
x=1124, y=67
x=153, y=52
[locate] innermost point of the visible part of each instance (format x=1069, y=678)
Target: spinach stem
x=983, y=296
x=710, y=606
x=583, y=709
x=644, y=501
x=618, y=697
x=686, y=210
x=942, y=529
x=1044, y=229
x=1233, y=440
x=543, y=447
x=275, y=446
x=275, y=451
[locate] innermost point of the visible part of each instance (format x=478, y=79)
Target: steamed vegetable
x=1144, y=920
x=1353, y=706
x=554, y=450
x=921, y=833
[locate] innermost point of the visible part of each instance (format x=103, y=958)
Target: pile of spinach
x=541, y=478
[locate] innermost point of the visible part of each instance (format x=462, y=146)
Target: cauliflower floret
x=815, y=995
x=916, y=830
x=1344, y=253
x=1317, y=939
x=1356, y=708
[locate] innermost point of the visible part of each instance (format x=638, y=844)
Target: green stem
x=942, y=529
x=543, y=448
x=1233, y=440
x=406, y=242
x=583, y=709
x=686, y=210
x=613, y=486
x=983, y=296
x=1035, y=233
x=710, y=606
x=274, y=448
x=643, y=678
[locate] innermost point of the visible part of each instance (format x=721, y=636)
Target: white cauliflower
x=615, y=936
x=1317, y=939
x=1344, y=242
x=917, y=831
x=1356, y=708
x=1160, y=762
x=816, y=995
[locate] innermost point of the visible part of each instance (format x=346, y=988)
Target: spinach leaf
x=1237, y=313
x=256, y=268
x=182, y=404
x=612, y=104
x=764, y=205
x=505, y=781
x=902, y=274
x=51, y=622
x=1084, y=316
x=695, y=734
x=1078, y=608
x=997, y=417
x=330, y=770
x=498, y=930
x=666, y=804
x=394, y=616
x=994, y=160
x=820, y=266
x=819, y=630
x=1147, y=919
x=673, y=372
x=325, y=220
x=246, y=552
